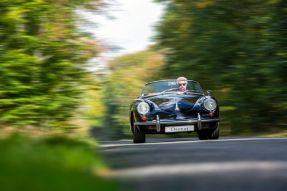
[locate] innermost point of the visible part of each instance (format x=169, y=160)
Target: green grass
x=50, y=164
x=277, y=134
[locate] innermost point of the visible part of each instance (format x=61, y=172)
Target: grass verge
x=50, y=164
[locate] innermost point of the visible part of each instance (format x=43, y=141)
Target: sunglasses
x=182, y=84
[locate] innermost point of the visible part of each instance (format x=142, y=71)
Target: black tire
x=202, y=135
x=214, y=133
x=138, y=135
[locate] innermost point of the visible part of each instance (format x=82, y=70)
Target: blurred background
x=235, y=48
x=70, y=68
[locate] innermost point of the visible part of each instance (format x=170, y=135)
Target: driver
x=182, y=84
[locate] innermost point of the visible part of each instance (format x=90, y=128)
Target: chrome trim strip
x=176, y=105
x=157, y=123
x=138, y=99
x=168, y=80
x=198, y=121
x=187, y=122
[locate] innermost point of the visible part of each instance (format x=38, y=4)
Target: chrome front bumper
x=163, y=122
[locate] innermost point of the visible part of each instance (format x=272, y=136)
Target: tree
x=128, y=75
x=232, y=47
x=41, y=57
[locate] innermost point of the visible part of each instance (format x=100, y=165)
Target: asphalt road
x=188, y=164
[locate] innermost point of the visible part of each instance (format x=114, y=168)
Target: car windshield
x=165, y=86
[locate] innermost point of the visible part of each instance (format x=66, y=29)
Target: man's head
x=182, y=83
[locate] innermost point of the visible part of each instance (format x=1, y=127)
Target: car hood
x=172, y=102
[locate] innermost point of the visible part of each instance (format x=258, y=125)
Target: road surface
x=189, y=164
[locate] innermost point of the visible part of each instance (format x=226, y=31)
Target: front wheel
x=138, y=135
x=212, y=133
x=202, y=135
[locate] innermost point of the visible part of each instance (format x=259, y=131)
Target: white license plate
x=171, y=129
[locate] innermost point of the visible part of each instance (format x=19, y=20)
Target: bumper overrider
x=158, y=123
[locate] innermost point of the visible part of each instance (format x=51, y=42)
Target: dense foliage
x=42, y=81
x=41, y=53
x=128, y=75
x=236, y=48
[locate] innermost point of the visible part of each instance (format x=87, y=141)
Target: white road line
x=197, y=169
x=192, y=141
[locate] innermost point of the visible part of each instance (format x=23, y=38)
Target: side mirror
x=209, y=92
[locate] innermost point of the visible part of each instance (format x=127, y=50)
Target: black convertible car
x=162, y=109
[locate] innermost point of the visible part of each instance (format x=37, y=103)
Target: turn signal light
x=144, y=118
x=211, y=114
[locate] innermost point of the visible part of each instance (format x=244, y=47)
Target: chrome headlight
x=143, y=108
x=209, y=104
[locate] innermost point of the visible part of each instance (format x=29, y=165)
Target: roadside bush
x=50, y=164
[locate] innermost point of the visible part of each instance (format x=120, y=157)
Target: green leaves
x=239, y=45
x=129, y=74
x=41, y=59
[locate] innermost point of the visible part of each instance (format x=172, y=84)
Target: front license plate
x=171, y=129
